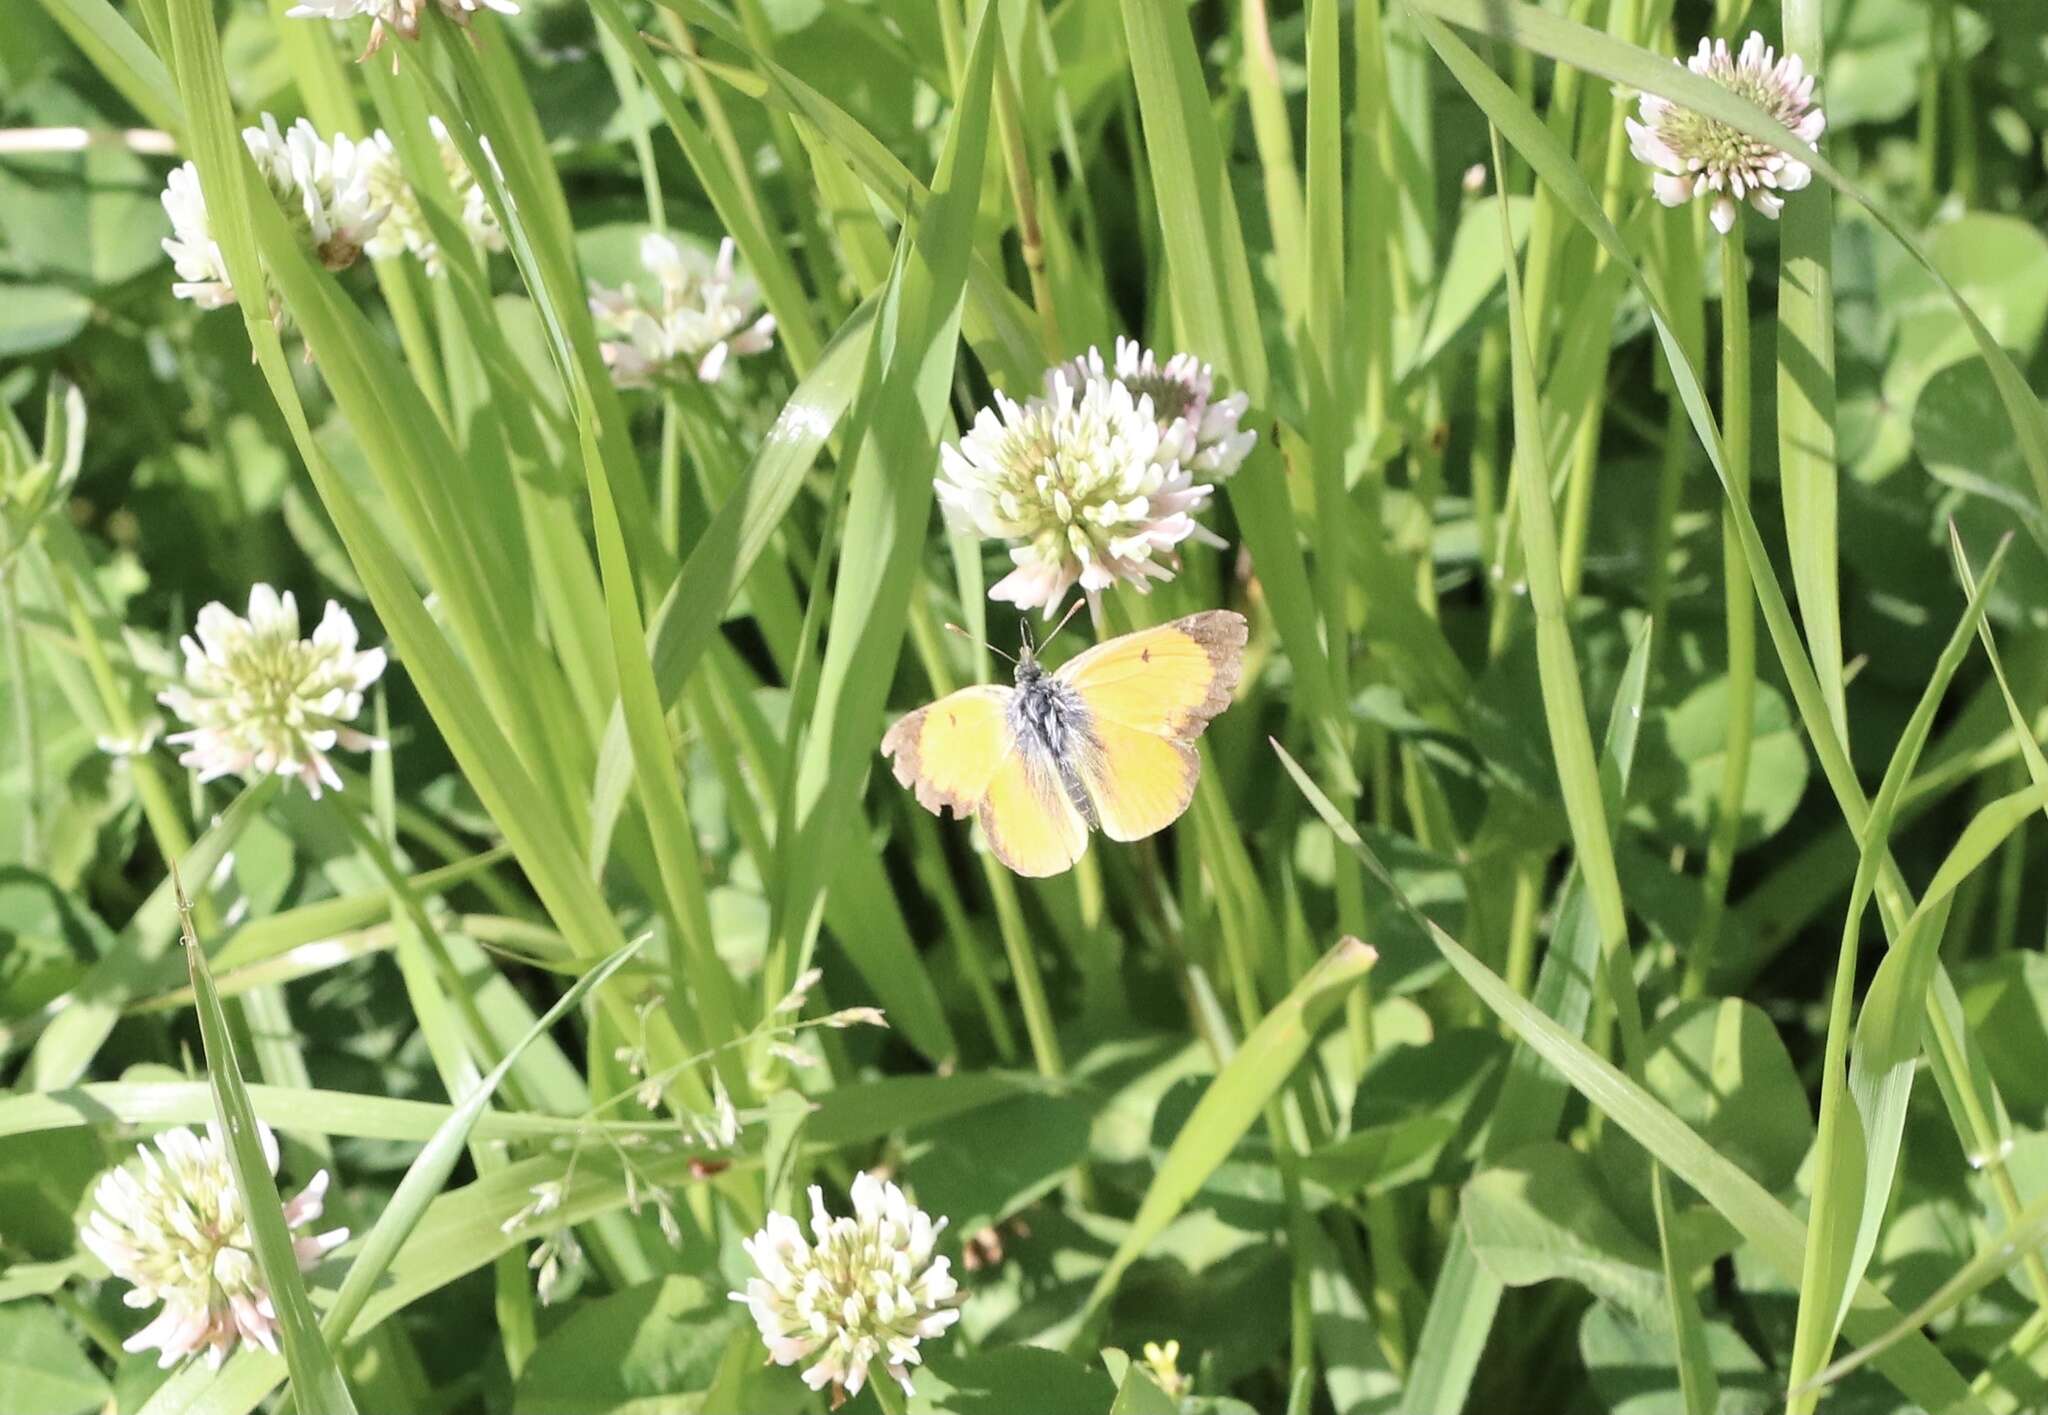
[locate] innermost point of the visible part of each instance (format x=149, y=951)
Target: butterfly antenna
x=956, y=629
x=1072, y=609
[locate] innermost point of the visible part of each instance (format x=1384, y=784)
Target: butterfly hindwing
x=1140, y=782
x=1030, y=821
x=948, y=752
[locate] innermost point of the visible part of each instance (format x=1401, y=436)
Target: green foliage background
x=1646, y=663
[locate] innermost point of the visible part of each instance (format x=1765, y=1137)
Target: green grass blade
x=1233, y=1102
x=1532, y=1098
x=715, y=570
x=316, y=1376
x=1211, y=278
x=429, y=1171
x=1561, y=39
x=317, y=1111
x=888, y=508
x=1915, y=1366
x=463, y=1230
x=2026, y=1233
x=121, y=57
x=765, y=253
x=1861, y=1127
x=74, y=1035
x=1806, y=394
x=999, y=324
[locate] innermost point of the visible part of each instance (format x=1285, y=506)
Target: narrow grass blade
x=463, y=1230
x=121, y=57
x=316, y=1376
x=317, y=1111
x=1232, y=1104
x=694, y=605
x=2026, y=1233
x=888, y=505
x=1958, y=1065
x=1568, y=42
x=997, y=322
x=1211, y=277
x=429, y=1171
x=764, y=250
x=1532, y=1098
x=91, y=1009
x=1806, y=393
x=1861, y=1127
x=1915, y=1366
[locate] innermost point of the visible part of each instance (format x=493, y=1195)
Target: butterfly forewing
x=947, y=752
x=1170, y=680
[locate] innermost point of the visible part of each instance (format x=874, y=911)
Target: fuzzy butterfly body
x=1105, y=742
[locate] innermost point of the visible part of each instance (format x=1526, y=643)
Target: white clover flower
x=405, y=225
x=864, y=1288
x=694, y=318
x=323, y=186
x=261, y=700
x=402, y=16
x=1093, y=484
x=1696, y=156
x=173, y=1227
x=1182, y=390
x=202, y=269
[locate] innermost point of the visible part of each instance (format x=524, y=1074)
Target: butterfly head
x=1029, y=670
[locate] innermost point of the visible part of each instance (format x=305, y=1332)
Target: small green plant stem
x=669, y=489
x=24, y=714
x=1622, y=21
x=1741, y=615
x=1489, y=389
x=1273, y=134
x=1522, y=918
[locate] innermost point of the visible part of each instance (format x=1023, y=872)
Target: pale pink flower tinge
x=172, y=1225
x=1696, y=156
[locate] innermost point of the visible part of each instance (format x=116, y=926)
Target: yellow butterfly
x=1104, y=742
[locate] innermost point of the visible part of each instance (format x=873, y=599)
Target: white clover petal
x=259, y=700
x=172, y=1225
x=1093, y=479
x=697, y=319
x=865, y=1288
x=326, y=187
x=1692, y=155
